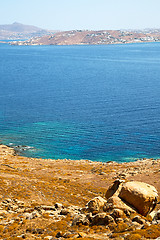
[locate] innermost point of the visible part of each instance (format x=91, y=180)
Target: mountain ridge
x=20, y=31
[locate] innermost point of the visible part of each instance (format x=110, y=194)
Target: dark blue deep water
x=81, y=102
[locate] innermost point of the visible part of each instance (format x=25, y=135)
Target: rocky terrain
x=87, y=37
x=66, y=199
x=20, y=31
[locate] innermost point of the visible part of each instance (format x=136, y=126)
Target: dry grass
x=45, y=182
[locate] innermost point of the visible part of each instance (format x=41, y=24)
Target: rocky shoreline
x=50, y=199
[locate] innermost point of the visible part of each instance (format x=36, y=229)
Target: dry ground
x=45, y=182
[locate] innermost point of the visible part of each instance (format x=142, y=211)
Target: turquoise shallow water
x=81, y=102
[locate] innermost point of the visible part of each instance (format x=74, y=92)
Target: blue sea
x=100, y=103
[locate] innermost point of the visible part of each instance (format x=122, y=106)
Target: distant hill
x=20, y=31
x=79, y=37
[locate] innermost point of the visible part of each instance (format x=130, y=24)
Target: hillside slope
x=20, y=31
x=39, y=198
x=86, y=37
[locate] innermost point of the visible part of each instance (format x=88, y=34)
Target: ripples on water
x=81, y=102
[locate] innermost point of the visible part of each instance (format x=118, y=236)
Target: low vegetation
x=40, y=197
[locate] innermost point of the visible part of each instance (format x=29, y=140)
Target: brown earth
x=27, y=184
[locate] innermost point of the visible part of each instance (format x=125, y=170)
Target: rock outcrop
x=127, y=204
x=134, y=195
x=125, y=201
x=114, y=214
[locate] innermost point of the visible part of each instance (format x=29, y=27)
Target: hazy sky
x=82, y=14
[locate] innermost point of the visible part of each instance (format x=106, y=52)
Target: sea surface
x=100, y=103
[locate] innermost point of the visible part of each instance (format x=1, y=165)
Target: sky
x=82, y=14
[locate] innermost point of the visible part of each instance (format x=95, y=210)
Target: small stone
x=48, y=238
x=20, y=210
x=112, y=226
x=138, y=219
x=45, y=207
x=68, y=235
x=136, y=225
x=154, y=222
x=59, y=234
x=58, y=205
x=39, y=230
x=21, y=236
x=81, y=235
x=14, y=208
x=102, y=219
x=146, y=225
x=152, y=214
x=127, y=212
x=29, y=210
x=102, y=173
x=157, y=215
x=3, y=213
x=19, y=203
x=30, y=216
x=117, y=213
x=80, y=219
x=119, y=220
x=96, y=204
x=64, y=211
x=50, y=213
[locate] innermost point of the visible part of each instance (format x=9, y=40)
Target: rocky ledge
x=59, y=199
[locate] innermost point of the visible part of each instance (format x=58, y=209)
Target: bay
x=81, y=102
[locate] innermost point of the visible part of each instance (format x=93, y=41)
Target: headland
x=90, y=37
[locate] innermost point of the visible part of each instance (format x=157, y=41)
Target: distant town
x=35, y=36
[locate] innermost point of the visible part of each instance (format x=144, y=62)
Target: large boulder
x=140, y=195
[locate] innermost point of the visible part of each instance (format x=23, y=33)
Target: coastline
x=140, y=169
x=39, y=182
x=21, y=150
x=22, y=43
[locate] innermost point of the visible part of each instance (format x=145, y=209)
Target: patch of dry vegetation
x=39, y=182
